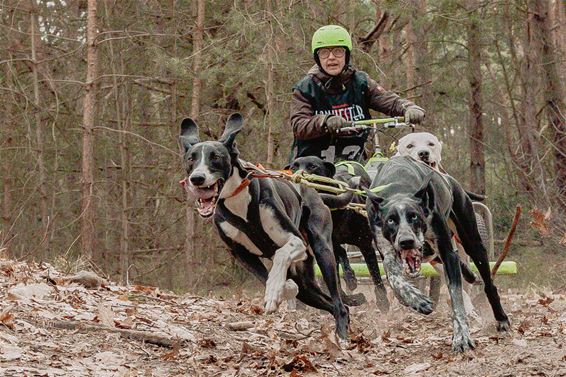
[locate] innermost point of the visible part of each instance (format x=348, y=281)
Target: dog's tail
x=337, y=201
x=475, y=197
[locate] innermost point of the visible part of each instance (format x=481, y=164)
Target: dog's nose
x=197, y=179
x=424, y=155
x=407, y=244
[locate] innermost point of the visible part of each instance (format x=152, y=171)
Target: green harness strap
x=377, y=157
x=350, y=166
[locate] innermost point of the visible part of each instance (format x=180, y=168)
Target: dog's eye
x=390, y=222
x=311, y=167
x=214, y=157
x=413, y=217
x=409, y=146
x=431, y=144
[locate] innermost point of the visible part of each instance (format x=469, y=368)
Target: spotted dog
x=425, y=147
x=264, y=218
x=417, y=204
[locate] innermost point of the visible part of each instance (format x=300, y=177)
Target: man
x=332, y=95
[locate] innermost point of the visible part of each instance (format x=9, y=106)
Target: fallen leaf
x=300, y=363
x=255, y=309
x=418, y=367
x=207, y=343
x=128, y=323
x=106, y=315
x=360, y=342
x=563, y=240
x=545, y=301
x=539, y=221
x=7, y=318
x=143, y=289
x=329, y=344
x=173, y=354
x=385, y=336
x=523, y=326
x=437, y=356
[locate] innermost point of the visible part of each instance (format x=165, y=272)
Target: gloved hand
x=334, y=123
x=414, y=114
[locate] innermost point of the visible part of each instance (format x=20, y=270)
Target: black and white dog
x=350, y=227
x=265, y=218
x=418, y=203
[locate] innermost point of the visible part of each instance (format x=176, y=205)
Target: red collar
x=245, y=183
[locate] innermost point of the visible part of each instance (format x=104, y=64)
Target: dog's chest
x=256, y=230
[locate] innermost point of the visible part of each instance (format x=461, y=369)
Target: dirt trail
x=50, y=326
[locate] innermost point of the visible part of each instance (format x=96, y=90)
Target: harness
x=350, y=166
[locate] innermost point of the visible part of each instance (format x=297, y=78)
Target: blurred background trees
x=489, y=73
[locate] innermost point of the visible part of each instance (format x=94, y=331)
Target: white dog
x=422, y=146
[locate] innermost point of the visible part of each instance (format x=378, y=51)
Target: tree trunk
x=269, y=86
x=553, y=90
x=6, y=135
x=422, y=65
x=477, y=158
x=198, y=36
x=87, y=187
x=528, y=126
x=410, y=58
x=43, y=247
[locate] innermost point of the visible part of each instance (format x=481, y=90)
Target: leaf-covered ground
x=53, y=325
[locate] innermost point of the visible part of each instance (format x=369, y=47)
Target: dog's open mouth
x=411, y=260
x=432, y=164
x=206, y=196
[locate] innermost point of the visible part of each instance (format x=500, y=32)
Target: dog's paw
x=423, y=305
x=273, y=297
x=381, y=299
x=350, y=279
x=291, y=289
x=461, y=342
x=503, y=325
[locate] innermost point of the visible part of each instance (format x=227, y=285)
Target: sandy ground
x=51, y=326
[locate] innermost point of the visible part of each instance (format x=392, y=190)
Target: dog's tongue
x=206, y=206
x=411, y=261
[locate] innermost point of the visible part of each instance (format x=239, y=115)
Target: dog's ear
x=189, y=134
x=233, y=126
x=330, y=168
x=375, y=200
x=373, y=203
x=425, y=194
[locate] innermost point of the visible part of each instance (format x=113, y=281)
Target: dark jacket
x=349, y=95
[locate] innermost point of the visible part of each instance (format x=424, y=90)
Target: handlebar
x=372, y=124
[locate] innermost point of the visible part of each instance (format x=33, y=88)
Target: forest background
x=93, y=92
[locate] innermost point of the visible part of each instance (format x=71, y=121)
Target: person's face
x=332, y=59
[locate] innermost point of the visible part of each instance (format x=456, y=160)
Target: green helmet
x=331, y=35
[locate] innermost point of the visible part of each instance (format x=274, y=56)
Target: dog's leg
x=465, y=222
x=342, y=260
x=407, y=294
x=276, y=285
x=370, y=258
x=341, y=256
x=461, y=340
x=322, y=248
x=309, y=290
